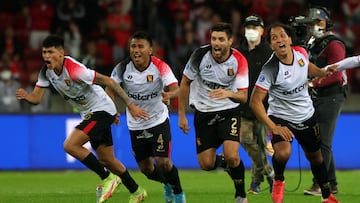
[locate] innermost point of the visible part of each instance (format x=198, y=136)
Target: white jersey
x=287, y=87
x=76, y=85
x=347, y=63
x=144, y=88
x=206, y=75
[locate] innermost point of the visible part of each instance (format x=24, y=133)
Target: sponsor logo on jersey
x=230, y=72
x=68, y=83
x=138, y=96
x=301, y=62
x=295, y=90
x=150, y=78
x=76, y=99
x=213, y=85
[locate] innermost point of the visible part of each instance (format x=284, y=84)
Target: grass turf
x=199, y=186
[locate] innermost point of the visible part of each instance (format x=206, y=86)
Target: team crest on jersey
x=68, y=83
x=230, y=72
x=301, y=62
x=150, y=78
x=88, y=116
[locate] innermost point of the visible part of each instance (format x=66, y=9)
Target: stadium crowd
x=96, y=33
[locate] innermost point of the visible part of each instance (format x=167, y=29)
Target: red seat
x=33, y=64
x=30, y=53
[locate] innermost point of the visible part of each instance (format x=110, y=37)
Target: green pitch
x=199, y=186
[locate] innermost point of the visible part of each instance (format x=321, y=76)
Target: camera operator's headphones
x=323, y=14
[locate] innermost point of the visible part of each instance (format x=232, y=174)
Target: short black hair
x=143, y=35
x=53, y=41
x=222, y=27
x=290, y=31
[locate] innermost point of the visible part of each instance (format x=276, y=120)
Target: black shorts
x=152, y=142
x=213, y=128
x=97, y=125
x=307, y=133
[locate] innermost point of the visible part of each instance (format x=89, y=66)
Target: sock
x=237, y=174
x=320, y=174
x=93, y=163
x=279, y=169
x=129, y=182
x=173, y=179
x=156, y=175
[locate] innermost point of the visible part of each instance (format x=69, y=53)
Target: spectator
x=254, y=134
x=41, y=15
x=10, y=44
x=72, y=39
x=119, y=22
x=70, y=11
x=8, y=101
x=328, y=94
x=202, y=18
x=187, y=45
x=104, y=45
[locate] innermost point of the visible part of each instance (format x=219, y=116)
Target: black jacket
x=256, y=59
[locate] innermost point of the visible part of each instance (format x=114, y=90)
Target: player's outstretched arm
x=109, y=83
x=34, y=97
x=347, y=63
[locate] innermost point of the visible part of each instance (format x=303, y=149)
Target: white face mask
x=318, y=31
x=252, y=35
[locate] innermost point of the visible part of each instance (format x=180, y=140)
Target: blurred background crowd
x=96, y=33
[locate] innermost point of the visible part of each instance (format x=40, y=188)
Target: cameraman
x=329, y=93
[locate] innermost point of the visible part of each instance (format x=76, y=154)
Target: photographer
x=329, y=93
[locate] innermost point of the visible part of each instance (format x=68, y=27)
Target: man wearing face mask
x=253, y=133
x=329, y=93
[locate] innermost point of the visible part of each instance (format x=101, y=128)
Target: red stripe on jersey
x=40, y=86
x=171, y=84
x=162, y=67
x=73, y=67
x=242, y=63
x=93, y=82
x=302, y=51
x=89, y=127
x=242, y=89
x=261, y=88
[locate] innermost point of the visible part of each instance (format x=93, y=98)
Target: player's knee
x=68, y=147
x=282, y=156
x=164, y=164
x=106, y=161
x=233, y=161
x=207, y=166
x=146, y=171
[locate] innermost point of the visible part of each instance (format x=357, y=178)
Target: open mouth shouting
x=48, y=63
